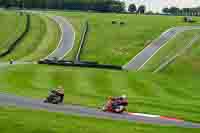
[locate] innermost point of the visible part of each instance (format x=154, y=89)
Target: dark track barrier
x=80, y=64
x=82, y=42
x=14, y=44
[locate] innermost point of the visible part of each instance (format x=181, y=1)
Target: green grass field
x=12, y=26
x=41, y=40
x=170, y=93
x=27, y=121
x=148, y=93
x=115, y=44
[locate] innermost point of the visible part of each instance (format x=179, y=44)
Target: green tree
x=166, y=10
x=98, y=5
x=174, y=10
x=132, y=8
x=141, y=9
x=1, y=2
x=117, y=6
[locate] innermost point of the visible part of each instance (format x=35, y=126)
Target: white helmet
x=124, y=96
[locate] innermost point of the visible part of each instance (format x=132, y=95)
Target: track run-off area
x=65, y=45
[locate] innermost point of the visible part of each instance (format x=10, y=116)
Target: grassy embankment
x=41, y=40
x=12, y=26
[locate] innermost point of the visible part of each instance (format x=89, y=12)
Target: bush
x=122, y=23
x=114, y=22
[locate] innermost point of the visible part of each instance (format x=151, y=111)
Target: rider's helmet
x=110, y=98
x=60, y=90
x=60, y=87
x=124, y=96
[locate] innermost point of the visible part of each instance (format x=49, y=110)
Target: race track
x=147, y=53
x=10, y=100
x=64, y=46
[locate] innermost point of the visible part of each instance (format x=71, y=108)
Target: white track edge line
x=145, y=115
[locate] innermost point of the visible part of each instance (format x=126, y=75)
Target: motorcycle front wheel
x=119, y=109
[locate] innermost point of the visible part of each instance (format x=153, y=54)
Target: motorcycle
x=53, y=98
x=117, y=105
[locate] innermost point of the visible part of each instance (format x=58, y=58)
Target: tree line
x=182, y=12
x=97, y=5
x=133, y=9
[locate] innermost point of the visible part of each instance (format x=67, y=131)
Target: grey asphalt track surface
x=147, y=53
x=66, y=41
x=27, y=103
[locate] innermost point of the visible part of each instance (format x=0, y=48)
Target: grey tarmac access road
x=138, y=62
x=27, y=103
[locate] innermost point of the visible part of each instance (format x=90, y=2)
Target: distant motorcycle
x=53, y=98
x=116, y=105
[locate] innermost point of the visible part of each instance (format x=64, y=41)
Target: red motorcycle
x=116, y=105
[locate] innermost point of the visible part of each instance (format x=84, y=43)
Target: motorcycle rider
x=114, y=99
x=59, y=92
x=11, y=61
x=115, y=102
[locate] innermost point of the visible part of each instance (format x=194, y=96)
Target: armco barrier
x=14, y=44
x=80, y=64
x=88, y=62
